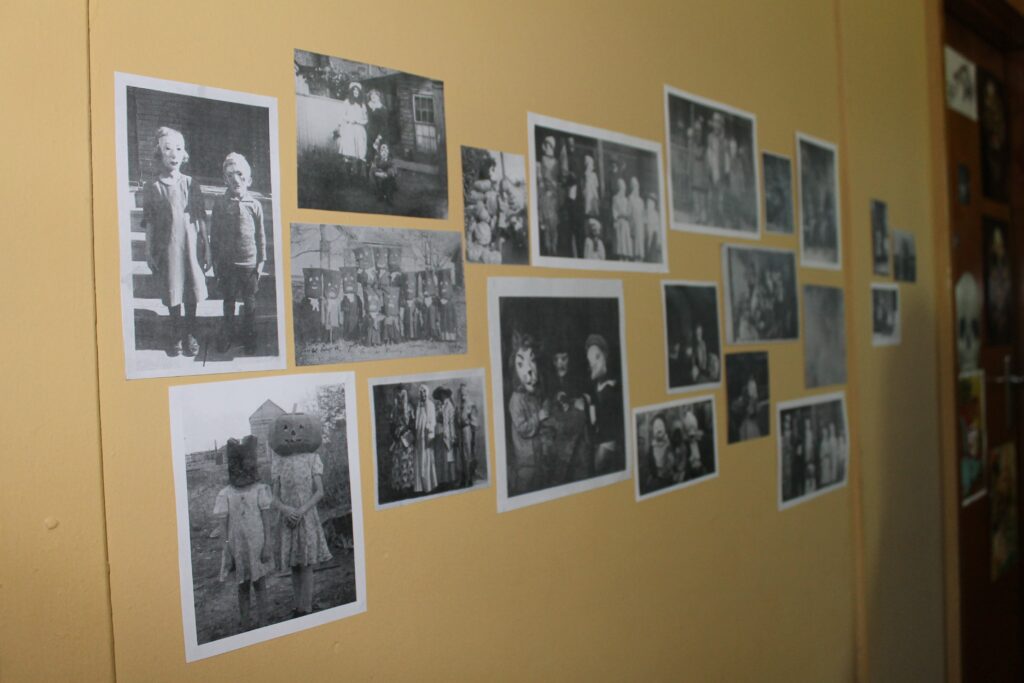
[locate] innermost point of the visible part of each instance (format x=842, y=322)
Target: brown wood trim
x=994, y=20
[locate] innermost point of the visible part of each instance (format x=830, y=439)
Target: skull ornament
x=968, y=321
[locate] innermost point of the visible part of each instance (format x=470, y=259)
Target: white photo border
x=123, y=81
x=373, y=382
x=499, y=287
x=532, y=121
x=817, y=399
x=792, y=194
x=671, y=91
x=727, y=298
x=177, y=396
x=712, y=284
x=894, y=339
x=678, y=403
x=806, y=262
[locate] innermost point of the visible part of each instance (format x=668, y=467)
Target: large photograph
x=814, y=447
x=494, y=196
x=824, y=336
x=818, y=173
x=693, y=340
x=429, y=435
x=270, y=527
x=370, y=139
x=760, y=294
x=559, y=381
x=199, y=222
x=713, y=167
x=376, y=293
x=676, y=445
x=599, y=198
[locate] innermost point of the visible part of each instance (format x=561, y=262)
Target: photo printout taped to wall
x=814, y=447
x=676, y=445
x=693, y=336
x=817, y=164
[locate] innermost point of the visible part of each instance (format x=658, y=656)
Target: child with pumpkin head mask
x=298, y=487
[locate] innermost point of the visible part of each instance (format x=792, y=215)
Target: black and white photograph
x=818, y=173
x=778, y=193
x=199, y=225
x=693, y=340
x=599, y=198
x=999, y=307
x=746, y=386
x=994, y=129
x=961, y=84
x=904, y=256
x=880, y=237
x=429, y=435
x=676, y=445
x=560, y=389
x=885, y=314
x=494, y=210
x=760, y=294
x=370, y=139
x=376, y=293
x=714, y=185
x=814, y=447
x=270, y=524
x=824, y=336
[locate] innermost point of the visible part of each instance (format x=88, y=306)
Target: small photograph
x=972, y=433
x=599, y=198
x=885, y=315
x=430, y=435
x=1002, y=464
x=995, y=142
x=558, y=373
x=494, y=192
x=961, y=84
x=814, y=447
x=376, y=293
x=967, y=295
x=270, y=526
x=880, y=237
x=692, y=338
x=370, y=139
x=998, y=283
x=675, y=445
x=818, y=173
x=746, y=377
x=904, y=256
x=778, y=193
x=760, y=294
x=963, y=184
x=712, y=165
x=199, y=223
x=824, y=336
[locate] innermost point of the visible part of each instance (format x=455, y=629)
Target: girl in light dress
x=425, y=479
x=620, y=222
x=591, y=188
x=637, y=221
x=351, y=132
x=652, y=221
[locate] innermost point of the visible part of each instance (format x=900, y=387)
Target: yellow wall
x=708, y=583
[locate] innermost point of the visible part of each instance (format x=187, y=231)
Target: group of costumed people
x=673, y=454
x=715, y=174
x=811, y=458
x=362, y=140
x=434, y=441
x=562, y=429
x=495, y=214
x=579, y=220
x=764, y=312
x=374, y=306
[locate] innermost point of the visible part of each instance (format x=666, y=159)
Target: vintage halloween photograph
x=880, y=237
x=693, y=339
x=885, y=314
x=495, y=213
x=429, y=435
x=200, y=229
x=375, y=293
x=713, y=166
x=760, y=294
x=824, y=336
x=747, y=387
x=599, y=198
x=817, y=162
x=270, y=528
x=814, y=447
x=904, y=256
x=559, y=383
x=370, y=139
x=676, y=445
x=778, y=193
